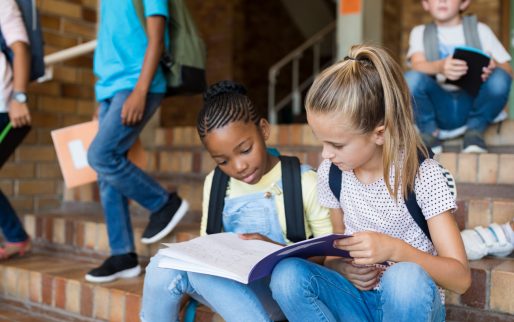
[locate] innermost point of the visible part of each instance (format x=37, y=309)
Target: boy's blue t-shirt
x=121, y=48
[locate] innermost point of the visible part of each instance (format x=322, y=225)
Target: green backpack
x=183, y=61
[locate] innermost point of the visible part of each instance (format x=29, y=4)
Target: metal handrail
x=294, y=57
x=63, y=55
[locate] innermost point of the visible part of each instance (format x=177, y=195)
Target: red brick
x=86, y=300
x=132, y=308
x=475, y=296
x=60, y=292
x=47, y=289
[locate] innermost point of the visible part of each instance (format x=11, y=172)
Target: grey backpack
x=431, y=43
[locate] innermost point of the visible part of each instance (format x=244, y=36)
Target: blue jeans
x=10, y=224
x=118, y=178
x=164, y=288
x=309, y=292
x=436, y=108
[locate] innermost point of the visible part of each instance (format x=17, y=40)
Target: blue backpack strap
x=217, y=201
x=412, y=203
x=293, y=199
x=190, y=310
x=334, y=180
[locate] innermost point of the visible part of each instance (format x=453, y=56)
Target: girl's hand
x=249, y=236
x=454, y=69
x=362, y=277
x=133, y=109
x=19, y=114
x=368, y=247
x=487, y=71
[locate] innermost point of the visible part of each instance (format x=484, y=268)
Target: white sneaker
x=481, y=241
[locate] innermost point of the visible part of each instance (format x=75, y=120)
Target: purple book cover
x=321, y=246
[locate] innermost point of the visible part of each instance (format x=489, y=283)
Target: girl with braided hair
x=235, y=136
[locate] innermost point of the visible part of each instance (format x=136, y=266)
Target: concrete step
x=83, y=234
x=55, y=287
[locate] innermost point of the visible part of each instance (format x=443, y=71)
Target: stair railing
x=63, y=55
x=293, y=58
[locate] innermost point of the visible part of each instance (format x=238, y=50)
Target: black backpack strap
x=293, y=200
x=334, y=180
x=217, y=201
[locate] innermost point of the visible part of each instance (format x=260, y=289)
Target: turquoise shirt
x=121, y=48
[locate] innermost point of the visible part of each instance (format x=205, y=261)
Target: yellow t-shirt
x=317, y=218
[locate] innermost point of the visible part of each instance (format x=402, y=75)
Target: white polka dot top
x=370, y=207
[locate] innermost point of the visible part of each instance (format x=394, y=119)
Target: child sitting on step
x=444, y=111
x=235, y=136
x=360, y=110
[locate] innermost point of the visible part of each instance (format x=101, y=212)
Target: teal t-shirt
x=121, y=47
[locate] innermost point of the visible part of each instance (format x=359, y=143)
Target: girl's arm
x=364, y=278
x=449, y=268
x=19, y=112
x=134, y=106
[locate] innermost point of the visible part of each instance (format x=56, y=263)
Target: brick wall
x=32, y=178
x=244, y=39
x=401, y=17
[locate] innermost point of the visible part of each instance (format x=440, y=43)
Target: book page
x=223, y=254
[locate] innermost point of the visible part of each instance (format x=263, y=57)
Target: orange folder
x=71, y=144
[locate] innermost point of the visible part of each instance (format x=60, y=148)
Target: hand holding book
x=476, y=60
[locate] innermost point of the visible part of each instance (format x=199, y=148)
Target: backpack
x=335, y=177
x=30, y=16
x=293, y=200
x=431, y=42
x=183, y=61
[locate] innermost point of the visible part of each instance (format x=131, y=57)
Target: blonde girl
x=361, y=111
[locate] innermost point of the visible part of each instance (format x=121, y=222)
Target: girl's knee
x=404, y=281
x=288, y=274
x=164, y=280
x=416, y=80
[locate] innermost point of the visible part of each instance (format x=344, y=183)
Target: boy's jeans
x=436, y=108
x=118, y=178
x=9, y=221
x=309, y=292
x=164, y=288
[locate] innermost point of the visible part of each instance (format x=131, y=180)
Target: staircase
x=48, y=285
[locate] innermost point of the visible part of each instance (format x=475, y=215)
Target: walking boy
x=129, y=88
x=443, y=110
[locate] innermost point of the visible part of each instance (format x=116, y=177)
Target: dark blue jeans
x=436, y=108
x=9, y=222
x=118, y=178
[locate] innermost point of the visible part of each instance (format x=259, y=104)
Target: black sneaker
x=432, y=142
x=163, y=221
x=474, y=142
x=114, y=267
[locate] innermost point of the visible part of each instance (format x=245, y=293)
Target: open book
x=227, y=255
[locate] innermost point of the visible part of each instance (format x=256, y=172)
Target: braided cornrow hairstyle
x=225, y=102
